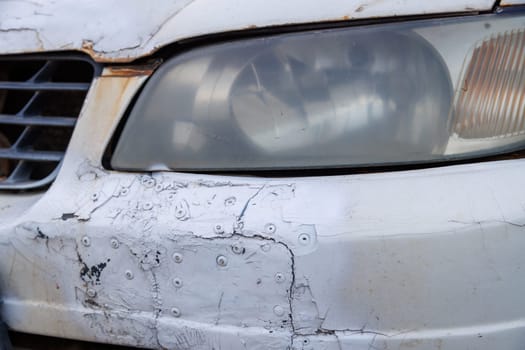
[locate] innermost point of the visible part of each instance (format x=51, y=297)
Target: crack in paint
x=240, y=217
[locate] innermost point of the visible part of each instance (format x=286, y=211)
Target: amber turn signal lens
x=491, y=100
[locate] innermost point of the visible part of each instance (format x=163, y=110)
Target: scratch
x=250, y=256
x=219, y=309
x=12, y=264
x=371, y=344
x=175, y=13
x=338, y=341
x=243, y=211
x=480, y=222
x=19, y=29
x=25, y=29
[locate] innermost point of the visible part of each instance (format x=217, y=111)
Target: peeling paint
x=26, y=26
x=169, y=260
x=134, y=70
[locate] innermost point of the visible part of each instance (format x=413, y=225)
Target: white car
x=204, y=174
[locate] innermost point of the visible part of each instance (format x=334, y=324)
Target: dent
x=144, y=212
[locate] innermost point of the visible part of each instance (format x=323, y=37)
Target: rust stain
x=87, y=45
x=346, y=18
x=251, y=26
x=132, y=71
x=106, y=87
x=100, y=56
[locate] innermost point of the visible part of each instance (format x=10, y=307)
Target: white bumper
x=418, y=259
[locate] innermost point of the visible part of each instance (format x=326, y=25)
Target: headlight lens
x=374, y=95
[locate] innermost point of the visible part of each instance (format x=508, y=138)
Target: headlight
x=383, y=94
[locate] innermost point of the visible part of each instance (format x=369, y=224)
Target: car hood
x=117, y=31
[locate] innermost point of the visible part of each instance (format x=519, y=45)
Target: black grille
x=40, y=100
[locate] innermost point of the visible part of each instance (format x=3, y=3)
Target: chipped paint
x=167, y=260
x=107, y=36
x=132, y=70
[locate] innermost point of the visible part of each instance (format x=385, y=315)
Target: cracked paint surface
x=105, y=33
x=227, y=268
x=168, y=260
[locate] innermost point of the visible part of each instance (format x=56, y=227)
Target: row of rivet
x=278, y=310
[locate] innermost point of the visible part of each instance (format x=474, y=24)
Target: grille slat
x=32, y=155
x=36, y=86
x=40, y=99
x=38, y=120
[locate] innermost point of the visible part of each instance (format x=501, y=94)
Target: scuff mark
x=149, y=259
x=120, y=327
x=189, y=339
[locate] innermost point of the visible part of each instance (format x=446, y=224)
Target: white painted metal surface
x=423, y=259
x=116, y=31
x=420, y=259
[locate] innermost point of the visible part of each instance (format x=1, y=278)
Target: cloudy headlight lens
x=376, y=95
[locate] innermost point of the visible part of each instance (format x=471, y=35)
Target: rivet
x=279, y=277
x=94, y=197
x=148, y=181
x=304, y=238
x=147, y=205
x=175, y=311
x=159, y=187
x=181, y=210
x=306, y=341
x=218, y=229
x=114, y=243
x=222, y=260
x=270, y=228
x=177, y=282
x=278, y=310
x=124, y=191
x=177, y=257
x=237, y=248
x=129, y=274
x=230, y=201
x=86, y=241
x=91, y=293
